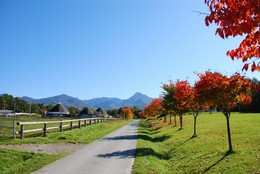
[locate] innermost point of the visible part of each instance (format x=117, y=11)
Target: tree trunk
x=165, y=118
x=181, y=121
x=170, y=118
x=227, y=115
x=195, y=124
x=175, y=121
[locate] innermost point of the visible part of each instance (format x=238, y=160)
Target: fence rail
x=75, y=122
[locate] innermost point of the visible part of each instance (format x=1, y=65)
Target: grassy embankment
x=163, y=148
x=12, y=161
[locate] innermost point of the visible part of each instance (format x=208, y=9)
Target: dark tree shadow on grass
x=214, y=164
x=182, y=143
x=132, y=153
x=156, y=139
x=148, y=132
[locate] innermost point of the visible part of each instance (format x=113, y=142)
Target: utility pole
x=30, y=108
x=14, y=122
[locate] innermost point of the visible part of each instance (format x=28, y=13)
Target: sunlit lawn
x=163, y=148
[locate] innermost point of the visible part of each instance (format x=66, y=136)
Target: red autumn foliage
x=154, y=108
x=141, y=115
x=235, y=18
x=245, y=99
x=225, y=92
x=128, y=114
x=183, y=95
x=219, y=90
x=196, y=105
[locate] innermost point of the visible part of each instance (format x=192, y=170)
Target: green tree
x=7, y=102
x=35, y=108
x=169, y=103
x=113, y=112
x=254, y=107
x=74, y=110
x=136, y=111
x=49, y=107
x=21, y=105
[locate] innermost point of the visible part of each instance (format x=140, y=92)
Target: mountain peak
x=139, y=94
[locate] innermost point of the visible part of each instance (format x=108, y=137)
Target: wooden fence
x=75, y=122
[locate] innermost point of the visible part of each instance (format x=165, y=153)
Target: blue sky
x=106, y=48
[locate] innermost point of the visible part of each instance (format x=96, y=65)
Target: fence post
x=14, y=127
x=95, y=121
x=71, y=125
x=21, y=131
x=79, y=124
x=60, y=126
x=90, y=121
x=85, y=122
x=45, y=130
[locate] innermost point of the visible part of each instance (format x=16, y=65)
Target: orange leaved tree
x=222, y=91
x=154, y=108
x=195, y=106
x=127, y=112
x=238, y=17
x=182, y=95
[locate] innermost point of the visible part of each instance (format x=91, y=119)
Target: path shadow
x=119, y=154
x=124, y=137
x=212, y=165
x=132, y=153
x=135, y=137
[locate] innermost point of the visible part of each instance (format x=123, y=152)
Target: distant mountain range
x=139, y=100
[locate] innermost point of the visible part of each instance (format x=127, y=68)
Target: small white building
x=7, y=113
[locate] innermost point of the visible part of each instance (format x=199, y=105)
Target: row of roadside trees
x=233, y=18
x=212, y=90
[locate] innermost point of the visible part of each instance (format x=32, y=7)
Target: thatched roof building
x=100, y=112
x=58, y=111
x=87, y=113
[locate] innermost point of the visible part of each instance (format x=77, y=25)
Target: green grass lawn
x=163, y=148
x=13, y=161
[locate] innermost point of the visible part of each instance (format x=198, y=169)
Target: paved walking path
x=112, y=154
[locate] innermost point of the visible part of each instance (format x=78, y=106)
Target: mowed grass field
x=23, y=162
x=163, y=148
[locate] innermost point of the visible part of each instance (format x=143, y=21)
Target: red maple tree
x=154, y=108
x=183, y=96
x=235, y=18
x=195, y=106
x=221, y=91
x=127, y=112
